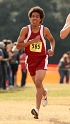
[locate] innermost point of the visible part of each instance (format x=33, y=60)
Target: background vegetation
x=14, y=15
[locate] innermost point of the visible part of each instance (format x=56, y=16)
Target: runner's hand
x=37, y=38
x=50, y=52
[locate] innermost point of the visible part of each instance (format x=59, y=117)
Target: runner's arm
x=50, y=38
x=22, y=37
x=66, y=29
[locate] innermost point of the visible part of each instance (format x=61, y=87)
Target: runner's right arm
x=22, y=37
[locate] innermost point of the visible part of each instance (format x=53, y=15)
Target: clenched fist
x=50, y=52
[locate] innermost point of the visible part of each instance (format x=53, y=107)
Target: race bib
x=36, y=47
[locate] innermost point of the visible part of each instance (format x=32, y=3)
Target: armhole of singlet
x=29, y=33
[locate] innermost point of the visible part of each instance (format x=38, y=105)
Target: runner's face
x=35, y=18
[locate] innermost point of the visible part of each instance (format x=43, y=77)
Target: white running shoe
x=35, y=113
x=44, y=99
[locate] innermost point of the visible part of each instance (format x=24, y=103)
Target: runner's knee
x=38, y=83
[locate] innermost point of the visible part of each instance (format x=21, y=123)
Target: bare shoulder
x=23, y=34
x=46, y=31
x=24, y=30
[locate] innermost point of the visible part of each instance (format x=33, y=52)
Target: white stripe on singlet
x=44, y=42
x=29, y=33
x=42, y=36
x=46, y=62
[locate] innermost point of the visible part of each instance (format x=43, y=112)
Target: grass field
x=16, y=104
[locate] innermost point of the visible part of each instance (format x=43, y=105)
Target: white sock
x=37, y=110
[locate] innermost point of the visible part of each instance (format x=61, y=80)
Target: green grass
x=28, y=93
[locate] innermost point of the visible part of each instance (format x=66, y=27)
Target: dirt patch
x=18, y=112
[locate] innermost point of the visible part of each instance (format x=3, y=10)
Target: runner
x=33, y=38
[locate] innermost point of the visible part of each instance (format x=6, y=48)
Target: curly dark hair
x=39, y=10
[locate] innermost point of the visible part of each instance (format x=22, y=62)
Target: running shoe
x=35, y=113
x=44, y=99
